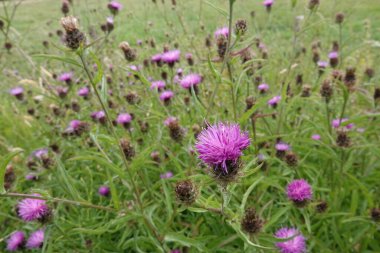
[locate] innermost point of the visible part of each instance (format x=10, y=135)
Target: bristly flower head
x=171, y=57
x=17, y=92
x=274, y=101
x=36, y=239
x=66, y=77
x=191, y=80
x=336, y=123
x=70, y=24
x=268, y=3
x=124, y=118
x=16, y=241
x=83, y=92
x=316, y=137
x=263, y=87
x=299, y=191
x=33, y=209
x=114, y=7
x=166, y=96
x=222, y=32
x=282, y=146
x=221, y=145
x=157, y=85
x=104, y=191
x=295, y=245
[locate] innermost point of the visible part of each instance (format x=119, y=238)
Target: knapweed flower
x=84, y=92
x=99, y=116
x=263, y=87
x=221, y=32
x=157, y=85
x=124, y=119
x=114, y=7
x=31, y=177
x=76, y=127
x=334, y=58
x=170, y=120
x=66, y=77
x=282, y=146
x=166, y=175
x=316, y=137
x=299, y=191
x=36, y=239
x=171, y=57
x=295, y=245
x=274, y=101
x=104, y=191
x=268, y=3
x=17, y=92
x=16, y=241
x=322, y=64
x=166, y=96
x=175, y=130
x=191, y=80
x=41, y=153
x=156, y=58
x=62, y=91
x=220, y=146
x=33, y=209
x=336, y=123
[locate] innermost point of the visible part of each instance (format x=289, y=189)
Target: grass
x=143, y=213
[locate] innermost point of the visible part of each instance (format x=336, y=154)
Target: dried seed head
x=129, y=53
x=350, y=77
x=70, y=24
x=251, y=222
x=313, y=4
x=241, y=27
x=375, y=214
x=339, y=18
x=343, y=140
x=132, y=98
x=306, y=90
x=321, y=207
x=128, y=149
x=326, y=90
x=291, y=159
x=186, y=192
x=250, y=102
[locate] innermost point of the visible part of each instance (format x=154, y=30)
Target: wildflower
x=350, y=78
x=220, y=146
x=221, y=32
x=291, y=159
x=241, y=27
x=99, y=116
x=104, y=191
x=281, y=148
x=84, y=92
x=66, y=77
x=175, y=130
x=157, y=85
x=128, y=149
x=166, y=96
x=313, y=4
x=334, y=58
x=31, y=177
x=74, y=37
x=166, y=175
x=299, y=191
x=124, y=119
x=321, y=207
x=326, y=90
x=36, y=239
x=144, y=126
x=250, y=102
x=114, y=7
x=17, y=92
x=129, y=53
x=9, y=177
x=316, y=137
x=76, y=127
x=268, y=4
x=343, y=140
x=295, y=245
x=157, y=58
x=16, y=241
x=171, y=57
x=186, y=191
x=375, y=214
x=65, y=7
x=274, y=101
x=251, y=222
x=221, y=43
x=306, y=91
x=263, y=88
x=155, y=155
x=33, y=209
x=62, y=91
x=132, y=98
x=336, y=123
x=191, y=80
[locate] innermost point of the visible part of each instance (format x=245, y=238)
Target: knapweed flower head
x=17, y=91
x=295, y=245
x=268, y=3
x=83, y=92
x=263, y=87
x=316, y=137
x=322, y=64
x=157, y=85
x=66, y=77
x=166, y=175
x=16, y=241
x=333, y=55
x=124, y=118
x=282, y=146
x=36, y=239
x=114, y=7
x=99, y=116
x=171, y=57
x=76, y=127
x=62, y=91
x=299, y=190
x=156, y=58
x=40, y=153
x=221, y=145
x=33, y=209
x=170, y=120
x=274, y=101
x=336, y=123
x=104, y=191
x=221, y=32
x=190, y=80
x=166, y=95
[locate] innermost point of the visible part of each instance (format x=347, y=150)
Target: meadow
x=190, y=126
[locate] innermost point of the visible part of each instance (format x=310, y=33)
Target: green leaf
x=254, y=108
x=3, y=166
x=58, y=58
x=249, y=190
x=183, y=240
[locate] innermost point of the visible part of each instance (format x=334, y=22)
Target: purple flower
x=32, y=209
x=104, y=191
x=76, y=127
x=17, y=91
x=66, y=77
x=83, y=92
x=316, y=137
x=263, y=87
x=322, y=64
x=31, y=177
x=282, y=146
x=16, y=241
x=274, y=101
x=336, y=123
x=191, y=80
x=124, y=118
x=299, y=190
x=110, y=20
x=156, y=58
x=220, y=144
x=268, y=3
x=171, y=57
x=166, y=95
x=295, y=245
x=166, y=175
x=114, y=6
x=99, y=116
x=40, y=153
x=62, y=91
x=221, y=32
x=175, y=251
x=139, y=42
x=188, y=56
x=159, y=85
x=36, y=239
x=333, y=55
x=170, y=120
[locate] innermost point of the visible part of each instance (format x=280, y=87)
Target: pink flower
x=157, y=85
x=170, y=120
x=16, y=241
x=333, y=55
x=33, y=209
x=191, y=80
x=171, y=57
x=282, y=146
x=263, y=87
x=166, y=95
x=295, y=245
x=166, y=175
x=17, y=91
x=336, y=123
x=299, y=190
x=104, y=191
x=66, y=77
x=124, y=118
x=224, y=31
x=114, y=7
x=322, y=64
x=274, y=101
x=316, y=137
x=268, y=3
x=156, y=58
x=36, y=239
x=83, y=92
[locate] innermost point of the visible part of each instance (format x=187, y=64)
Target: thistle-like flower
x=16, y=241
x=295, y=245
x=33, y=209
x=299, y=191
x=36, y=239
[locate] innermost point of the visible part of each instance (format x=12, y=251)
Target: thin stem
x=57, y=200
x=328, y=116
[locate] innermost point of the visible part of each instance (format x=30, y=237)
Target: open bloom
x=76, y=127
x=18, y=92
x=221, y=32
x=336, y=123
x=263, y=87
x=33, y=209
x=157, y=85
x=221, y=145
x=114, y=6
x=282, y=146
x=191, y=80
x=268, y=3
x=299, y=190
x=295, y=245
x=104, y=191
x=83, y=92
x=36, y=239
x=66, y=77
x=166, y=95
x=171, y=57
x=166, y=175
x=99, y=116
x=124, y=118
x=16, y=241
x=274, y=101
x=316, y=137
x=333, y=55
